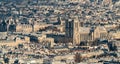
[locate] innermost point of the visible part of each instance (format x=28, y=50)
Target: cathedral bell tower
x=72, y=30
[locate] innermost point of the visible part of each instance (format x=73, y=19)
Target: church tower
x=72, y=30
x=76, y=27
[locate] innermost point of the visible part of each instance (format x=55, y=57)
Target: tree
x=6, y=60
x=78, y=58
x=20, y=45
x=115, y=47
x=16, y=61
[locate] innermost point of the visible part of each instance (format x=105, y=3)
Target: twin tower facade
x=75, y=34
x=72, y=30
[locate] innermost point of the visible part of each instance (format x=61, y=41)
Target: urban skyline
x=59, y=32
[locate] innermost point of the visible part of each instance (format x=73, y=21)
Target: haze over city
x=59, y=31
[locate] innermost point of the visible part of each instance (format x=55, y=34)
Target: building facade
x=3, y=26
x=25, y=28
x=72, y=30
x=76, y=34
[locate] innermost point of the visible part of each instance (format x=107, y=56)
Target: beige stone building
x=76, y=34
x=115, y=35
x=40, y=26
x=85, y=34
x=106, y=2
x=100, y=32
x=25, y=28
x=15, y=42
x=72, y=30
x=28, y=28
x=12, y=40
x=43, y=39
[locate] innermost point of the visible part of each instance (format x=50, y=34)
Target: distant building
x=25, y=28
x=107, y=2
x=14, y=40
x=48, y=41
x=85, y=34
x=91, y=53
x=116, y=35
x=3, y=35
x=72, y=30
x=40, y=26
x=12, y=28
x=100, y=32
x=3, y=26
x=76, y=34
